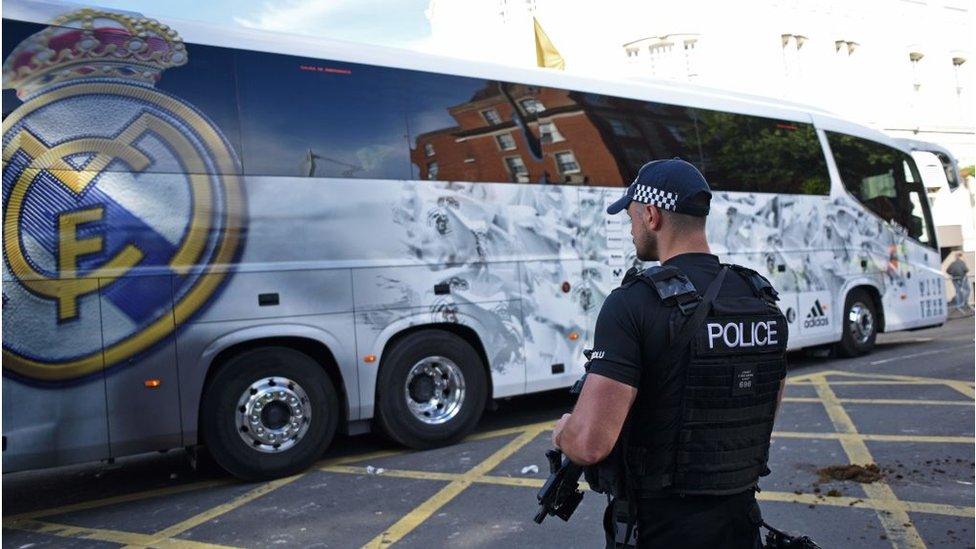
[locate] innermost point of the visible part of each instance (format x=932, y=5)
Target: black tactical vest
x=701, y=424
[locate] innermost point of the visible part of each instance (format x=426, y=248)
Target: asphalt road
x=907, y=407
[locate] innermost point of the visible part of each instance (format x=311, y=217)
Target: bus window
x=914, y=212
x=885, y=180
x=319, y=118
x=755, y=154
x=533, y=135
x=950, y=170
x=636, y=132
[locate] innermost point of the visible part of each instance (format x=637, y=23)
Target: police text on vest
x=743, y=334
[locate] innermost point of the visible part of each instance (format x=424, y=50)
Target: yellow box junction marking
x=896, y=522
x=892, y=512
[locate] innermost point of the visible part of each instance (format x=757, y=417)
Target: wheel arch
x=874, y=293
x=464, y=330
x=315, y=343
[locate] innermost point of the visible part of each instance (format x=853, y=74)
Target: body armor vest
x=702, y=422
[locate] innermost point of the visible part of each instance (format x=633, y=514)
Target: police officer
x=685, y=377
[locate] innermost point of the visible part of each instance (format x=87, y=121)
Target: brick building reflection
x=585, y=138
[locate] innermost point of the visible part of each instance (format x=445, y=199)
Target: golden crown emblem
x=92, y=43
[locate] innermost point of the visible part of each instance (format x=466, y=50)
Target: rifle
x=560, y=495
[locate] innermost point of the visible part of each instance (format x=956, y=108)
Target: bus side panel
x=142, y=416
x=53, y=412
x=46, y=427
x=554, y=321
x=607, y=249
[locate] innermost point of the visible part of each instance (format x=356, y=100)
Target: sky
x=399, y=23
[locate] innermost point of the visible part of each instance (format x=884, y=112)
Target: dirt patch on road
x=865, y=474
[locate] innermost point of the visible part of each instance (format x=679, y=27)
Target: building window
x=623, y=128
x=548, y=133
x=915, y=58
x=505, y=142
x=432, y=170
x=491, y=116
x=957, y=69
x=428, y=149
x=532, y=106
x=566, y=162
x=516, y=169
x=691, y=64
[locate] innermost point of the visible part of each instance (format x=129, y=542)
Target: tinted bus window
x=317, y=118
x=885, y=180
x=491, y=131
x=637, y=132
x=755, y=154
x=461, y=129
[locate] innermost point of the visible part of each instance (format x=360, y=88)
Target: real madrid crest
x=107, y=183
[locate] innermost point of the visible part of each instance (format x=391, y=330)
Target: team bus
x=249, y=241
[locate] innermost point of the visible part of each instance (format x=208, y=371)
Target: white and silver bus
x=250, y=241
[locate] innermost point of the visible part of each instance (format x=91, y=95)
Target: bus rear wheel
x=859, y=325
x=269, y=413
x=432, y=390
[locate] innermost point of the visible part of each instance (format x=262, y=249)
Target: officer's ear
x=651, y=216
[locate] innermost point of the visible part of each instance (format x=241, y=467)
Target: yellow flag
x=546, y=54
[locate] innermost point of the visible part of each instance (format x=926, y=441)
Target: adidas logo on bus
x=816, y=317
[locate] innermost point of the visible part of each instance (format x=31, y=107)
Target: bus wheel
x=268, y=413
x=860, y=325
x=432, y=390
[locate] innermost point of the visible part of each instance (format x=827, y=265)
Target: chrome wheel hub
x=860, y=322
x=434, y=390
x=273, y=414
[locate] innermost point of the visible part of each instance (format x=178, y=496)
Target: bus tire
x=432, y=390
x=269, y=412
x=859, y=325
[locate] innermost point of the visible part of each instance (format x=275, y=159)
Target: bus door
x=142, y=389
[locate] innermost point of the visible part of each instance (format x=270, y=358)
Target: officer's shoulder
x=632, y=286
x=666, y=282
x=759, y=283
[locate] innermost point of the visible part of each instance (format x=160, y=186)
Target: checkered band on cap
x=656, y=197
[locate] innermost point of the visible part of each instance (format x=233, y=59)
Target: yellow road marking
x=875, y=382
x=896, y=522
x=787, y=497
x=422, y=512
x=963, y=387
x=84, y=506
x=898, y=401
x=542, y=425
x=214, y=512
x=893, y=377
x=881, y=438
x=362, y=457
x=131, y=539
